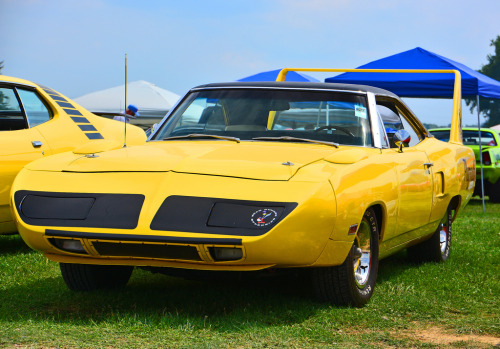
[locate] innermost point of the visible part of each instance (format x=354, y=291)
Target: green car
x=490, y=144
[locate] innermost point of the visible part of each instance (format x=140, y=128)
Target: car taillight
x=486, y=159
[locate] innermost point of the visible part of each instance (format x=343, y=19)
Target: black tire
x=494, y=192
x=88, y=277
x=437, y=248
x=353, y=282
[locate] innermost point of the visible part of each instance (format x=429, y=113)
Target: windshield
x=246, y=114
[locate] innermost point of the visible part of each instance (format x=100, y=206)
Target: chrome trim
x=196, y=89
x=376, y=121
x=21, y=104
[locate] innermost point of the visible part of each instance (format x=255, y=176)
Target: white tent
x=153, y=102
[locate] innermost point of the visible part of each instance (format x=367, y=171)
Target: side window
x=394, y=119
x=21, y=109
x=36, y=112
x=415, y=135
x=11, y=115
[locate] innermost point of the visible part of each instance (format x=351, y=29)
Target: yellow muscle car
x=253, y=176
x=36, y=121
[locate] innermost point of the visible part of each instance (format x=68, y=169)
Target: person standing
x=131, y=112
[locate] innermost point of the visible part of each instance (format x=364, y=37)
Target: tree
x=490, y=108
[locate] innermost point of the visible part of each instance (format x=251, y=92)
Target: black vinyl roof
x=299, y=85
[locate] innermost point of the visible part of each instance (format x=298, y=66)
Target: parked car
x=36, y=121
x=490, y=154
x=252, y=177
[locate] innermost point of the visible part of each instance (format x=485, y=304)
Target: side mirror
x=400, y=138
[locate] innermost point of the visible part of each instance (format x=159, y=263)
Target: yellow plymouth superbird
x=36, y=121
x=254, y=176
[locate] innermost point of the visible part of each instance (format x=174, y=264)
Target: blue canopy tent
x=424, y=85
x=273, y=74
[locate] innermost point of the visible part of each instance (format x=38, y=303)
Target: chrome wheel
x=362, y=255
x=437, y=247
x=352, y=283
x=443, y=238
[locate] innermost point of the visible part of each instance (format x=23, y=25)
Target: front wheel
x=352, y=283
x=437, y=248
x=88, y=277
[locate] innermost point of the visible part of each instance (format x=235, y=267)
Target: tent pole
x=125, y=112
x=480, y=150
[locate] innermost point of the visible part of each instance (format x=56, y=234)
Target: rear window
x=469, y=137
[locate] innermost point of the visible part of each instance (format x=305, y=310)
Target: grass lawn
x=450, y=305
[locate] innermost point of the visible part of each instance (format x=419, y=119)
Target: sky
x=79, y=46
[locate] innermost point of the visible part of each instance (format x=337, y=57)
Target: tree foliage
x=490, y=108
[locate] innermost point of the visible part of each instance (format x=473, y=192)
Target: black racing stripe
x=51, y=92
x=87, y=128
x=65, y=104
x=72, y=112
x=145, y=238
x=93, y=135
x=216, y=216
x=58, y=98
x=80, y=120
x=49, y=209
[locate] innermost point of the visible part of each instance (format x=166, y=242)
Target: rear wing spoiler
x=456, y=121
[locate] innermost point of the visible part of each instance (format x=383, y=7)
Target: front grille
x=162, y=251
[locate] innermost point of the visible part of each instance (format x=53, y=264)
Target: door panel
x=16, y=150
x=415, y=194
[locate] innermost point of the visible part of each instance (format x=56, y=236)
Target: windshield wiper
x=200, y=135
x=288, y=138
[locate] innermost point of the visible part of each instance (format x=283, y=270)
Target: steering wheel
x=333, y=127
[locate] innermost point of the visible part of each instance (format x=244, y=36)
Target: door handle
x=36, y=144
x=428, y=164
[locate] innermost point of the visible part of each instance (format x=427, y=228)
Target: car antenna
x=125, y=112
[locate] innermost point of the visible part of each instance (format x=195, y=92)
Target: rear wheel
x=437, y=248
x=352, y=283
x=88, y=277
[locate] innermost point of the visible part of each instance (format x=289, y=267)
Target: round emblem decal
x=264, y=217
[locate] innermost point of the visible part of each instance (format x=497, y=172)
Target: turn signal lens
x=74, y=246
x=226, y=253
x=352, y=229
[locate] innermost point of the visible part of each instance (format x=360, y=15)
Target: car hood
x=253, y=160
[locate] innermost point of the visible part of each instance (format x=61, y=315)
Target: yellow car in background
x=36, y=121
x=250, y=176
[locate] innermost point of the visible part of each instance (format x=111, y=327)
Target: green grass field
x=450, y=305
